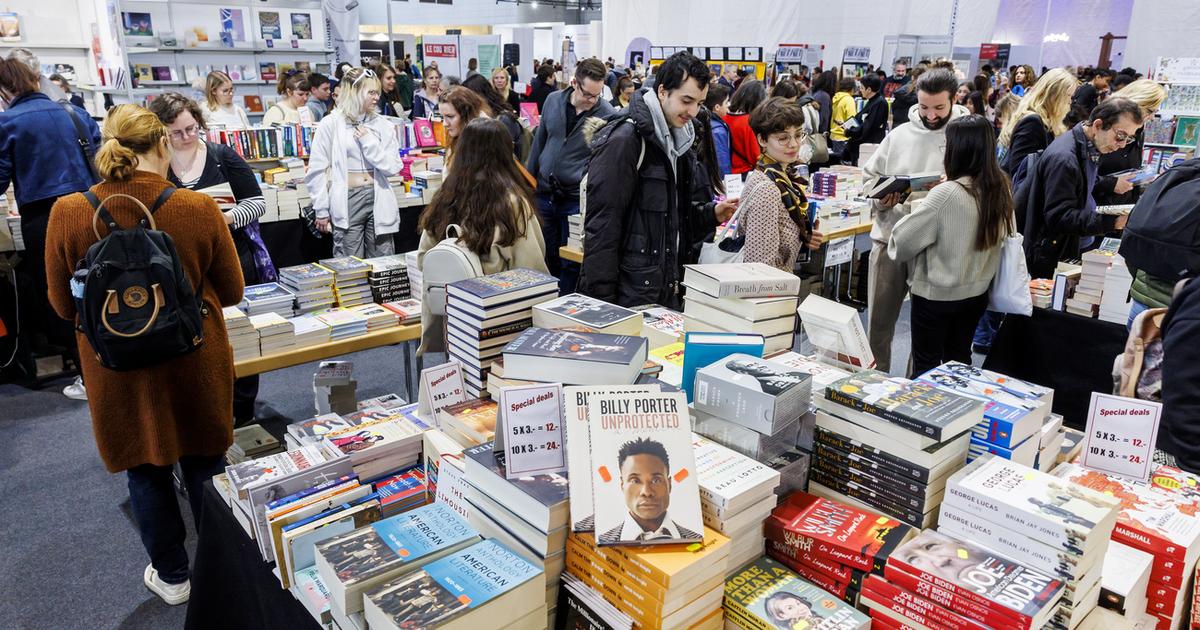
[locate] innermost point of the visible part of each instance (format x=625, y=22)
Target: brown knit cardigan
x=184, y=406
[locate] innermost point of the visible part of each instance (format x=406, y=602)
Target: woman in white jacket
x=353, y=153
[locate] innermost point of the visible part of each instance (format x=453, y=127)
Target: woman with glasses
x=353, y=153
x=774, y=207
x=425, y=100
x=292, y=107
x=219, y=110
x=197, y=164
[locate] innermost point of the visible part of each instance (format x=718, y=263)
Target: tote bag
x=726, y=246
x=1009, y=292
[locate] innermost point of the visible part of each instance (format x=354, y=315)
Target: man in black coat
x=870, y=123
x=1179, y=429
x=1057, y=205
x=559, y=158
x=1087, y=96
x=640, y=220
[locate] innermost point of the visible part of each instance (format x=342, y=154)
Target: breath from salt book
x=742, y=280
x=766, y=594
x=643, y=470
x=579, y=448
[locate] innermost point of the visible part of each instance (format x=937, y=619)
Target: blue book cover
x=980, y=447
x=1013, y=386
x=333, y=510
x=498, y=284
x=311, y=491
x=425, y=530
x=702, y=349
x=265, y=292
x=481, y=572
x=584, y=346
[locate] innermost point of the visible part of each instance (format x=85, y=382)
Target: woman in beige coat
x=487, y=195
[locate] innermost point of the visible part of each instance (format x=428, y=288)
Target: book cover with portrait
x=643, y=470
x=765, y=593
x=753, y=392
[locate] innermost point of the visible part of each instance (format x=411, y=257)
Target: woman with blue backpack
x=155, y=267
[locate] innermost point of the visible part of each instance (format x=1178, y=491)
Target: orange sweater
x=184, y=406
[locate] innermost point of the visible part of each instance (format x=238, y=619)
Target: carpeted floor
x=71, y=557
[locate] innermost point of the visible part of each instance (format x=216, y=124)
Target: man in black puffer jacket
x=640, y=220
x=1179, y=429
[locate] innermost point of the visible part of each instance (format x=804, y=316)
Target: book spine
x=613, y=583
x=789, y=542
x=1166, y=571
x=650, y=587
x=875, y=500
x=959, y=600
x=880, y=621
x=632, y=564
x=1152, y=543
x=641, y=618
x=841, y=590
x=742, y=618
x=754, y=288
x=940, y=617
x=912, y=424
x=858, y=471
x=838, y=572
x=875, y=486
x=847, y=447
x=1029, y=523
x=1015, y=546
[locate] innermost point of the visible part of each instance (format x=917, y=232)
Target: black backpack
x=1162, y=236
x=136, y=306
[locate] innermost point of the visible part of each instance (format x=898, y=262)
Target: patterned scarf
x=791, y=189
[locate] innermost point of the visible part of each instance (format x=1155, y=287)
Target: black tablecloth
x=1072, y=354
x=232, y=588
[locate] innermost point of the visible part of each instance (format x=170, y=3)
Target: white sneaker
x=173, y=594
x=76, y=390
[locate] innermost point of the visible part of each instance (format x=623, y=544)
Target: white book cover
x=836, y=332
x=728, y=478
x=822, y=374
x=741, y=280
x=579, y=447
x=644, y=470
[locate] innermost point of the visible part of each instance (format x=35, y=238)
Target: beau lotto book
x=644, y=470
x=973, y=581
x=765, y=595
x=842, y=533
x=918, y=407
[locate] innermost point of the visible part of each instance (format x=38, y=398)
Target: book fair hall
x=600, y=315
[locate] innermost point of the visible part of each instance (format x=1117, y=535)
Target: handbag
x=1009, y=292
x=726, y=246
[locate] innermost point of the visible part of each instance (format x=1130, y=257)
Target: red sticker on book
x=604, y=474
x=681, y=475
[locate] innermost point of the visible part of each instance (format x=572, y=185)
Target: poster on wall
x=656, y=52
x=233, y=22
x=268, y=25
x=341, y=29
x=443, y=51
x=856, y=55
x=10, y=27
x=735, y=53
x=137, y=24
x=752, y=54
x=302, y=26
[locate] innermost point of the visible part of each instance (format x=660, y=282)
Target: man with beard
x=918, y=147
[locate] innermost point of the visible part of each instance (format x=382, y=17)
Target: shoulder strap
x=81, y=135
x=162, y=198
x=102, y=211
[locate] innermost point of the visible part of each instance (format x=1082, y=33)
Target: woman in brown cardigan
x=147, y=420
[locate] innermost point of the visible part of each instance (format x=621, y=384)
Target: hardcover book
x=836, y=332
x=423, y=129
x=756, y=393
x=498, y=288
x=730, y=481
x=576, y=310
x=576, y=358
x=701, y=349
x=661, y=325
x=743, y=280
x=918, y=407
x=839, y=532
x=766, y=594
x=541, y=500
x=643, y=470
x=474, y=419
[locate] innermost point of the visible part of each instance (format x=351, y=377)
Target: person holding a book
x=912, y=149
x=149, y=419
x=1112, y=180
x=1037, y=120
x=425, y=100
x=197, y=164
x=495, y=213
x=559, y=158
x=291, y=108
x=951, y=242
x=353, y=153
x=774, y=215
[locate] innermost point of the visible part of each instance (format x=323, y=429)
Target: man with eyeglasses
x=1061, y=216
x=559, y=158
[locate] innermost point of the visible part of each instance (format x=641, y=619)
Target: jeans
x=156, y=510
x=942, y=330
x=1135, y=309
x=554, y=211
x=985, y=332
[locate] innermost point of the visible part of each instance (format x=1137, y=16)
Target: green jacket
x=404, y=85
x=1151, y=290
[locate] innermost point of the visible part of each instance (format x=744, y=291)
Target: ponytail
x=129, y=131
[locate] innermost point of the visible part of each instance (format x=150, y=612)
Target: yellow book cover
x=665, y=564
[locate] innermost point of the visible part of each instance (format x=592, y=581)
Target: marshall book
x=1057, y=512
x=576, y=358
x=756, y=393
x=765, y=595
x=579, y=448
x=997, y=590
x=842, y=533
x=576, y=310
x=643, y=470
x=918, y=407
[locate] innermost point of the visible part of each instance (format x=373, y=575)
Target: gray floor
x=71, y=557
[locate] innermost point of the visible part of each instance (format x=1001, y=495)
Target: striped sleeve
x=247, y=210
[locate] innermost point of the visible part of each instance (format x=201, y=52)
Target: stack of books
x=754, y=406
x=1115, y=303
x=736, y=495
x=270, y=297
x=350, y=286
x=575, y=230
x=288, y=200
x=250, y=442
x=1014, y=411
x=310, y=330
x=574, y=358
x=1050, y=443
x=1041, y=291
x=836, y=333
x=243, y=337
x=403, y=491
x=334, y=392
x=529, y=514
x=1124, y=587
x=275, y=333
x=584, y=313
x=1058, y=526
x=414, y=275
x=889, y=444
x=388, y=277
x=496, y=380
x=427, y=182
x=407, y=311
x=1090, y=290
x=579, y=606
x=377, y=316
x=343, y=323
x=658, y=586
x=661, y=325
x=766, y=594
x=470, y=423
x=486, y=585
x=483, y=314
x=937, y=581
x=832, y=544
x=311, y=284
x=750, y=298
x=380, y=446
x=1159, y=518
x=355, y=562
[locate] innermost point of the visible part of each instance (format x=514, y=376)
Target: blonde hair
x=129, y=131
x=1146, y=93
x=507, y=81
x=216, y=80
x=354, y=87
x=1049, y=98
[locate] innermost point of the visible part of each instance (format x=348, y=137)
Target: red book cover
x=951, y=601
x=826, y=582
x=1161, y=598
x=839, y=532
x=1169, y=572
x=918, y=609
x=879, y=621
x=979, y=576
x=839, y=572
x=423, y=129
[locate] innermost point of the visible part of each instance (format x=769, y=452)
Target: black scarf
x=791, y=189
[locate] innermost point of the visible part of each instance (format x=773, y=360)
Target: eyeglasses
x=587, y=95
x=1122, y=137
x=786, y=139
x=187, y=132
